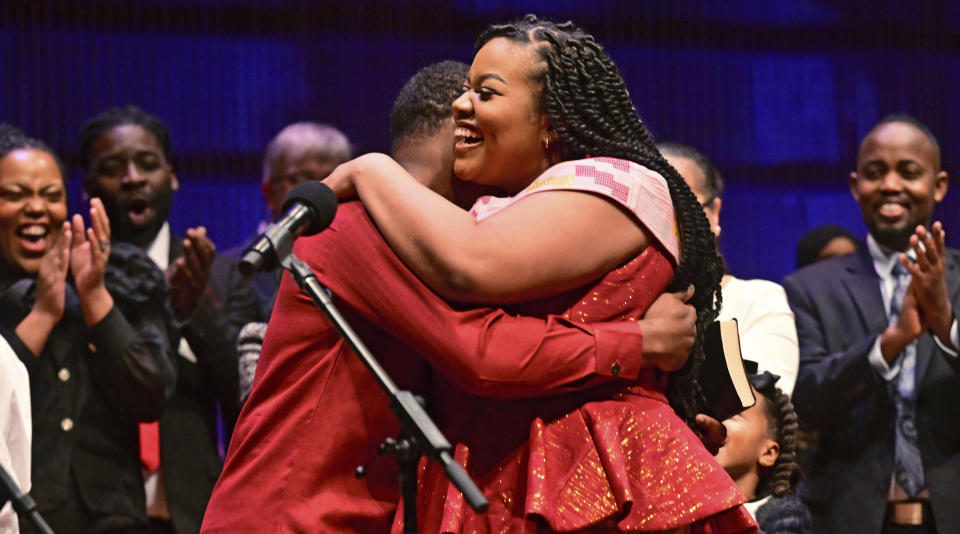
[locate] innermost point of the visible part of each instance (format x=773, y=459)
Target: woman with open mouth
x=88, y=321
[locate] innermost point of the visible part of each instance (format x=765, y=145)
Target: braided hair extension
x=589, y=107
x=784, y=476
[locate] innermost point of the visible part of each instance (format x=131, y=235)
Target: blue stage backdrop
x=777, y=92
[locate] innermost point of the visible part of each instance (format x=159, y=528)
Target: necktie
x=908, y=466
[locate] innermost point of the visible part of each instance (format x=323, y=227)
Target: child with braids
x=594, y=229
x=761, y=456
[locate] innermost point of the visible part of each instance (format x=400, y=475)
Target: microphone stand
x=419, y=434
x=24, y=504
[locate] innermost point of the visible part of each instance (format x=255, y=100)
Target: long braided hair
x=588, y=105
x=784, y=476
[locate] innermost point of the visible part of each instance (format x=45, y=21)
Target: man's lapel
x=863, y=285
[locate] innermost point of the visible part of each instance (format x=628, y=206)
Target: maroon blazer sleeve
x=485, y=351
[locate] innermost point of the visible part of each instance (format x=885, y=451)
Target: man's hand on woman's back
x=669, y=330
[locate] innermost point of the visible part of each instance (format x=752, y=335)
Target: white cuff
x=953, y=339
x=887, y=372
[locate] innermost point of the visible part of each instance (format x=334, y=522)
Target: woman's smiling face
x=499, y=140
x=33, y=206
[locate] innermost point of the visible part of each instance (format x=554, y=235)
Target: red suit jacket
x=315, y=413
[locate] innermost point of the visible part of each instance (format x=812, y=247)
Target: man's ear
x=940, y=184
x=769, y=452
x=853, y=187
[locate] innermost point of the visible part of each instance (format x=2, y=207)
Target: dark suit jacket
x=839, y=312
x=190, y=460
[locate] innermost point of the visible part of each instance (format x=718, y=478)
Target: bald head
x=900, y=126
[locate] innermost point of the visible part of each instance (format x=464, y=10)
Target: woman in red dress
x=596, y=227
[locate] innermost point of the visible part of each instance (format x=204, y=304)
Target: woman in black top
x=88, y=320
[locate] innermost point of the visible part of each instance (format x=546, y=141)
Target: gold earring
x=546, y=143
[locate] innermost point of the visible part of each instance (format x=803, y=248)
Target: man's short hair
x=307, y=139
x=117, y=116
x=425, y=102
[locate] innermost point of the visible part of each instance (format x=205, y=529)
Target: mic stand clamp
x=407, y=454
x=419, y=435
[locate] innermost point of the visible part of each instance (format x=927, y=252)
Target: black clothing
x=89, y=389
x=784, y=515
x=840, y=312
x=189, y=455
x=926, y=528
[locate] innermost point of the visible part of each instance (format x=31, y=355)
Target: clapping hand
x=90, y=250
x=52, y=277
x=929, y=280
x=908, y=327
x=926, y=305
x=188, y=274
x=50, y=301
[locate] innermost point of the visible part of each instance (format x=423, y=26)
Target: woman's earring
x=546, y=143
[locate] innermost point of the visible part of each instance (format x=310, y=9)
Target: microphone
x=310, y=207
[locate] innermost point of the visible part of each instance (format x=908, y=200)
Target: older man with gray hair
x=301, y=151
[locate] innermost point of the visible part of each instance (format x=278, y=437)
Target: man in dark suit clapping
x=878, y=350
x=126, y=153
